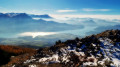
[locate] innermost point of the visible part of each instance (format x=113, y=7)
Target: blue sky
x=75, y=7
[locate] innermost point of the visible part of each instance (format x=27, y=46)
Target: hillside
x=92, y=51
x=13, y=54
x=98, y=50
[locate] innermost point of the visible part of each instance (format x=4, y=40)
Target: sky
x=62, y=7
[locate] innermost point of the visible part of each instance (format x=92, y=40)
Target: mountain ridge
x=22, y=22
x=25, y=14
x=40, y=16
x=92, y=51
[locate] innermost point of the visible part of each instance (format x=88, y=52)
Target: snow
x=109, y=51
x=105, y=41
x=32, y=66
x=65, y=59
x=89, y=64
x=116, y=61
x=54, y=58
x=93, y=44
x=13, y=66
x=28, y=61
x=64, y=55
x=106, y=49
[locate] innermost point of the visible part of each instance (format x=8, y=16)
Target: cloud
x=89, y=9
x=34, y=34
x=61, y=11
x=58, y=16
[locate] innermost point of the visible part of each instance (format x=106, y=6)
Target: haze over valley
x=59, y=33
x=24, y=26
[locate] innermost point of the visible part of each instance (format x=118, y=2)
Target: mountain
x=95, y=22
x=41, y=16
x=22, y=22
x=21, y=16
x=24, y=14
x=100, y=50
x=3, y=16
x=82, y=21
x=103, y=28
x=14, y=15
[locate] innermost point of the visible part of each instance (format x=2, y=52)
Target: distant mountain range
x=41, y=16
x=22, y=22
x=12, y=24
x=14, y=16
x=103, y=28
x=91, y=21
x=31, y=15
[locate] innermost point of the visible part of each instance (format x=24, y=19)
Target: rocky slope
x=101, y=50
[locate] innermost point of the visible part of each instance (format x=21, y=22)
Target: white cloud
x=61, y=11
x=57, y=16
x=34, y=34
x=89, y=9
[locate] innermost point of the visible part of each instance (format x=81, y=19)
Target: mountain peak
x=15, y=15
x=3, y=15
x=41, y=16
x=22, y=15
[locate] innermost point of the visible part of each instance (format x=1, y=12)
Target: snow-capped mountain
x=14, y=15
x=24, y=14
x=101, y=50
